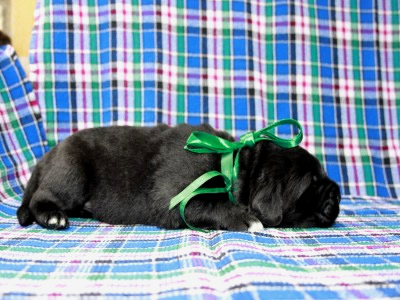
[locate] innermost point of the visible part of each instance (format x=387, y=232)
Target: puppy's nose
x=329, y=203
x=335, y=194
x=329, y=190
x=330, y=207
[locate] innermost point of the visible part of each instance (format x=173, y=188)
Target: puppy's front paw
x=244, y=222
x=53, y=220
x=255, y=225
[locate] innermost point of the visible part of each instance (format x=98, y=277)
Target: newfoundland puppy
x=128, y=175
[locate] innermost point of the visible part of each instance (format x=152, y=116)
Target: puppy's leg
x=256, y=225
x=237, y=219
x=221, y=215
x=24, y=214
x=62, y=190
x=46, y=212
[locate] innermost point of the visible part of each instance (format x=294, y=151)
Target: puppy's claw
x=53, y=221
x=63, y=223
x=255, y=226
x=56, y=220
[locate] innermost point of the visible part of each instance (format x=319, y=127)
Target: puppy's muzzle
x=328, y=202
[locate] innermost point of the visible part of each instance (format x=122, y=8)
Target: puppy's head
x=289, y=188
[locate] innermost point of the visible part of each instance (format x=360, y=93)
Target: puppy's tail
x=24, y=215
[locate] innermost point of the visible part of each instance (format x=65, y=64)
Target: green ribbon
x=202, y=142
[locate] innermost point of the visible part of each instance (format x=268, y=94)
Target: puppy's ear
x=297, y=185
x=268, y=206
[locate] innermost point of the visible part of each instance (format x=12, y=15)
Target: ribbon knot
x=248, y=139
x=202, y=142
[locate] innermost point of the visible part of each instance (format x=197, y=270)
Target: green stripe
x=270, y=63
x=137, y=65
x=48, y=80
x=94, y=63
x=316, y=96
x=227, y=65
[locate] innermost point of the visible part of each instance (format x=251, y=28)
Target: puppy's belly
x=116, y=204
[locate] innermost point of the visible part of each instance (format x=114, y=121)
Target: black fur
x=127, y=175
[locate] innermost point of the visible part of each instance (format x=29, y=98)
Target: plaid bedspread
x=238, y=65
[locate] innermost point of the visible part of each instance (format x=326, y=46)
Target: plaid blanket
x=238, y=65
x=356, y=259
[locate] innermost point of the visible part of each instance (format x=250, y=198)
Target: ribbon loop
x=203, y=142
x=265, y=134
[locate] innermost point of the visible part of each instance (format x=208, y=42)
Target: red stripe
x=263, y=121
x=169, y=62
x=215, y=67
x=125, y=49
x=303, y=58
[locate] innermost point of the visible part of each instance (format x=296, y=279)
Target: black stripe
x=72, y=78
x=292, y=61
x=114, y=60
x=159, y=47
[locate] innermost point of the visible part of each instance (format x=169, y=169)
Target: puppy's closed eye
x=306, y=203
x=314, y=179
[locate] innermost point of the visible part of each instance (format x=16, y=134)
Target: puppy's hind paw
x=54, y=220
x=255, y=225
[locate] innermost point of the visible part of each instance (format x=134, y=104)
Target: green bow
x=202, y=142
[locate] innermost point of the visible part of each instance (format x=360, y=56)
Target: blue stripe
x=204, y=65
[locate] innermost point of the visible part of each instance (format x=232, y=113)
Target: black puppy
x=128, y=175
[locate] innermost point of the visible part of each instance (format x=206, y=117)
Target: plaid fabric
x=333, y=65
x=358, y=258
x=237, y=65
x=22, y=137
